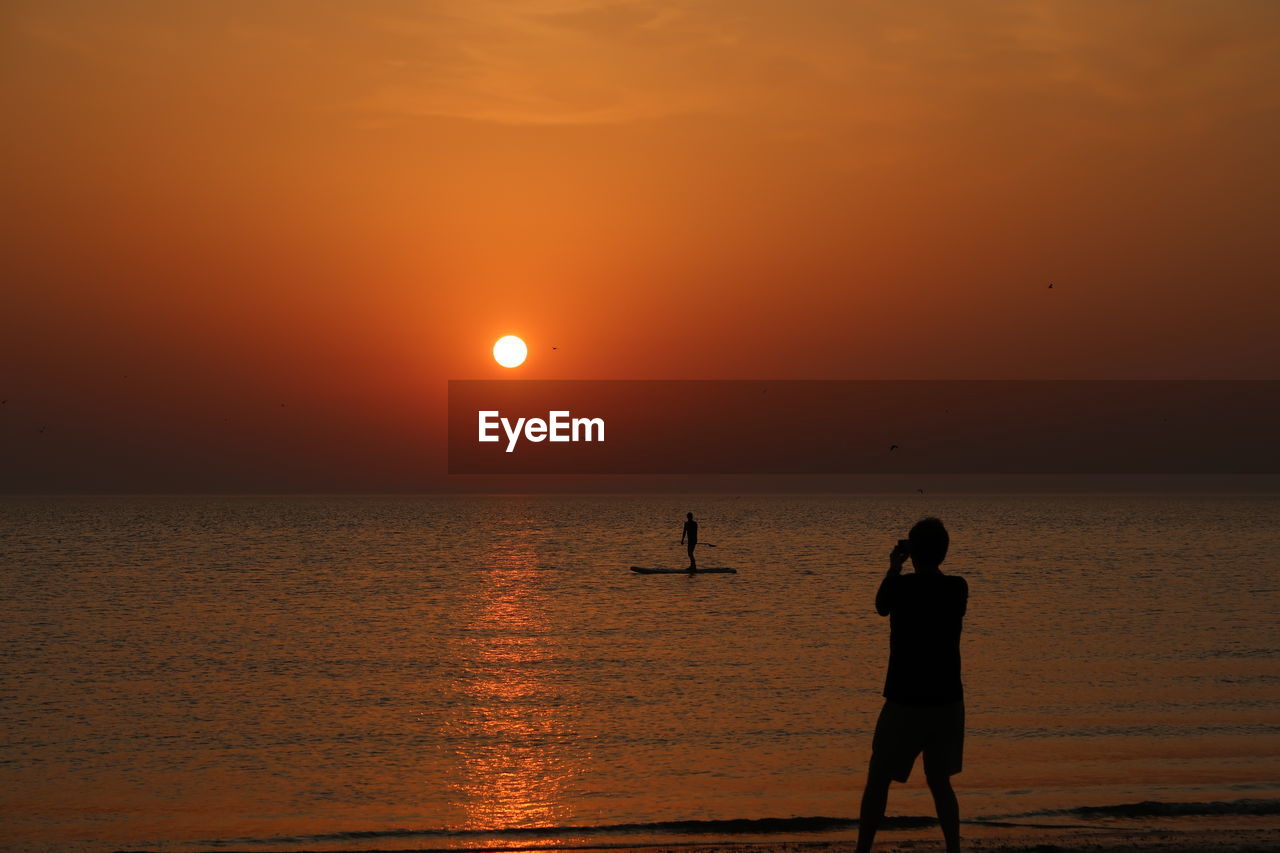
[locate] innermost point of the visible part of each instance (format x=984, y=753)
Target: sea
x=184, y=673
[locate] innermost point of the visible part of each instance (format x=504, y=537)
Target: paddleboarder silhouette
x=690, y=533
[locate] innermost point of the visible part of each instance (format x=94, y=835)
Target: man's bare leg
x=874, y=798
x=944, y=800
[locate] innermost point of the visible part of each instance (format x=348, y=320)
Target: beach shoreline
x=1264, y=840
x=1066, y=840
x=1261, y=840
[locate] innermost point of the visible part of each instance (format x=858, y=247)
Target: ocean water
x=183, y=673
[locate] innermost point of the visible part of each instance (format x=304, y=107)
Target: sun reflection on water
x=514, y=772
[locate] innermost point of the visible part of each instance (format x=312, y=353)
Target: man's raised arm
x=884, y=595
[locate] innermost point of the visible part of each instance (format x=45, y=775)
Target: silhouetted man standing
x=690, y=532
x=924, y=697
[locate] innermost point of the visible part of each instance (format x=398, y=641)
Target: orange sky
x=211, y=209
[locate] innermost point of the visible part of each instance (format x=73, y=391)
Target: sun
x=510, y=351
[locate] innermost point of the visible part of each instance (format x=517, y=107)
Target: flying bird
x=893, y=447
x=1051, y=285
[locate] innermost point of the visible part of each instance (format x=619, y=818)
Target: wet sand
x=1092, y=841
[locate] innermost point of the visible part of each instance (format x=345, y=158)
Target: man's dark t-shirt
x=691, y=530
x=925, y=615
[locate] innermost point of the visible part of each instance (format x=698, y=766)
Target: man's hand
x=897, y=557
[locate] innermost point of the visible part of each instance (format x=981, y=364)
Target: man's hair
x=929, y=541
x=690, y=515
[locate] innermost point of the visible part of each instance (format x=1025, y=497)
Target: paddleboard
x=643, y=571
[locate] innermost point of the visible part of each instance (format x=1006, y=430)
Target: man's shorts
x=905, y=731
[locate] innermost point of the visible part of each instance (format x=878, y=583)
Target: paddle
x=705, y=545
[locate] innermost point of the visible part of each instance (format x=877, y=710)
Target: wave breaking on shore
x=765, y=827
